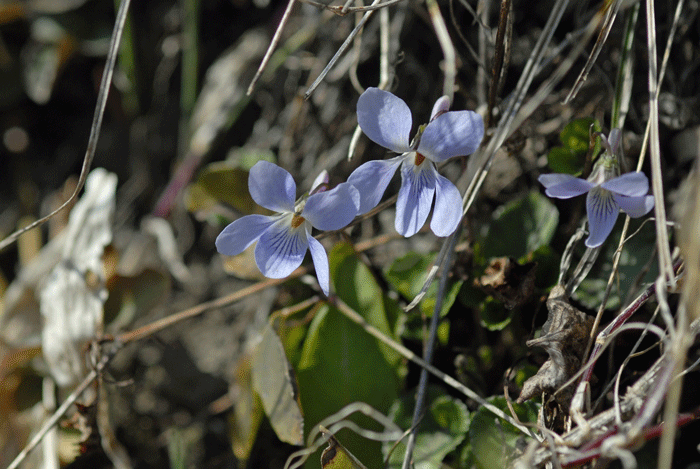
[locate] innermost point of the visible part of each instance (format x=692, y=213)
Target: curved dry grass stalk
x=336, y=422
x=95, y=128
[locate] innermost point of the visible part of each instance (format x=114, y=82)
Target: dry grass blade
x=639, y=404
x=94, y=128
x=501, y=56
x=480, y=162
x=168, y=321
x=344, y=10
x=665, y=263
x=608, y=287
x=547, y=87
x=607, y=23
x=616, y=323
x=384, y=70
x=340, y=51
x=479, y=60
x=273, y=45
x=688, y=311
x=152, y=328
x=623, y=85
x=449, y=247
x=448, y=49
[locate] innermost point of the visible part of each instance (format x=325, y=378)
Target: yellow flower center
x=297, y=220
x=419, y=159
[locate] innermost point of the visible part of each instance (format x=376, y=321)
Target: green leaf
x=133, y=297
x=341, y=364
x=245, y=158
x=355, y=285
x=471, y=296
x=493, y=440
x=523, y=374
x=562, y=160
x=547, y=271
x=336, y=456
x=221, y=182
x=571, y=157
x=275, y=383
x=520, y=227
x=637, y=252
x=494, y=316
x=247, y=412
x=407, y=275
x=183, y=444
x=441, y=430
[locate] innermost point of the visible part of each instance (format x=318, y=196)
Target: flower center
x=297, y=220
x=419, y=159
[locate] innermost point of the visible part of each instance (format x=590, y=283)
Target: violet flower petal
x=320, y=258
x=564, y=186
x=385, y=119
x=237, y=236
x=281, y=249
x=334, y=209
x=447, y=212
x=455, y=133
x=272, y=187
x=371, y=180
x=602, y=214
x=630, y=184
x=635, y=206
x=415, y=197
x=441, y=105
x=322, y=178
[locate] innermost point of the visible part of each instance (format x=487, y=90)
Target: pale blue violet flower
x=608, y=192
x=387, y=121
x=284, y=237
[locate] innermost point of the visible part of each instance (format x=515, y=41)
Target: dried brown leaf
x=564, y=337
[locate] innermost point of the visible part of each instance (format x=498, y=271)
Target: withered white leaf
x=72, y=297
